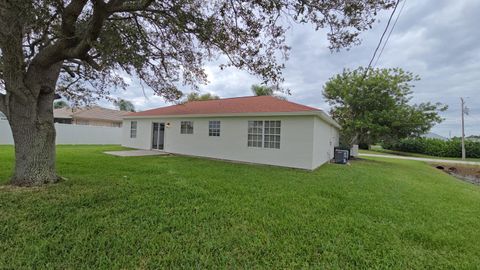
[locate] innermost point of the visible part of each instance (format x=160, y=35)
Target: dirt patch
x=468, y=173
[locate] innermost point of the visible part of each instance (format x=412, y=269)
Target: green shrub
x=435, y=147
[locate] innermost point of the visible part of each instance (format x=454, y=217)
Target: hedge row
x=435, y=147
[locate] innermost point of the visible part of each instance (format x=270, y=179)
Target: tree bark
x=34, y=152
x=28, y=101
x=31, y=120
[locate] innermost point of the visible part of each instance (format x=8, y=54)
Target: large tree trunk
x=31, y=120
x=29, y=94
x=34, y=152
x=34, y=138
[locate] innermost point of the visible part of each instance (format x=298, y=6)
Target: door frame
x=158, y=138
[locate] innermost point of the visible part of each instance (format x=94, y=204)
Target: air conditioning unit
x=341, y=156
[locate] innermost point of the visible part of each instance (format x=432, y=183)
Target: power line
x=391, y=30
x=383, y=35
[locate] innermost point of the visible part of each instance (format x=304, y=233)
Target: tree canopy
x=195, y=96
x=262, y=90
x=374, y=105
x=124, y=105
x=163, y=42
x=60, y=104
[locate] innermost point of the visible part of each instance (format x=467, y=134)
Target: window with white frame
x=255, y=133
x=214, y=128
x=271, y=134
x=186, y=127
x=133, y=129
x=264, y=134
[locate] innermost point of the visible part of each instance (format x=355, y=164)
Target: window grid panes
x=214, y=128
x=133, y=129
x=186, y=127
x=255, y=133
x=272, y=134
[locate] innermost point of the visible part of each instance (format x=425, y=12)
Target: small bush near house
x=435, y=147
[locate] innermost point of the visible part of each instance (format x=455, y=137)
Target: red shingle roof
x=255, y=104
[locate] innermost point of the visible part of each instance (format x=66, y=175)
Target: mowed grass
x=180, y=212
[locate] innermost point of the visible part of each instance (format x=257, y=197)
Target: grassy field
x=181, y=212
x=380, y=150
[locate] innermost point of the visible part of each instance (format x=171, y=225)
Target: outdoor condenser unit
x=341, y=156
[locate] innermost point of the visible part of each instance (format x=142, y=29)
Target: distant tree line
x=435, y=147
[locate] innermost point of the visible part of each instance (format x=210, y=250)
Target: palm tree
x=194, y=96
x=262, y=90
x=124, y=105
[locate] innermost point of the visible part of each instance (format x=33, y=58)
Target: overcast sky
x=437, y=39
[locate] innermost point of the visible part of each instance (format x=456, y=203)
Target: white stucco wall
x=325, y=138
x=144, y=133
x=301, y=144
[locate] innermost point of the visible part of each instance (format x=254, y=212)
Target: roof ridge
x=224, y=99
x=263, y=96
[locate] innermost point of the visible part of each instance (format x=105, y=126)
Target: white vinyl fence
x=73, y=134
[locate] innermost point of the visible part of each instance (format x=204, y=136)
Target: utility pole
x=463, y=128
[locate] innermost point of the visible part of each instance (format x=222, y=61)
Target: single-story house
x=93, y=116
x=259, y=129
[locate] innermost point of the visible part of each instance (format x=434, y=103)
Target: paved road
x=423, y=159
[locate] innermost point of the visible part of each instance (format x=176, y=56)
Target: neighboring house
x=63, y=115
x=262, y=129
x=431, y=135
x=93, y=116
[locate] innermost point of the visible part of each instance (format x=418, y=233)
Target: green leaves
x=166, y=43
x=195, y=96
x=374, y=105
x=124, y=105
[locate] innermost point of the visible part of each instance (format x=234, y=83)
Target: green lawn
x=181, y=212
x=379, y=150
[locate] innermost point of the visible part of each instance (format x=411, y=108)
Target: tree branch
x=89, y=59
x=118, y=6
x=69, y=71
x=70, y=16
x=44, y=38
x=72, y=46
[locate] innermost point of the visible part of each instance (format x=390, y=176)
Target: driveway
x=423, y=159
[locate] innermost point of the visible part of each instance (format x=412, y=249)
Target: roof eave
x=321, y=114
x=221, y=115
